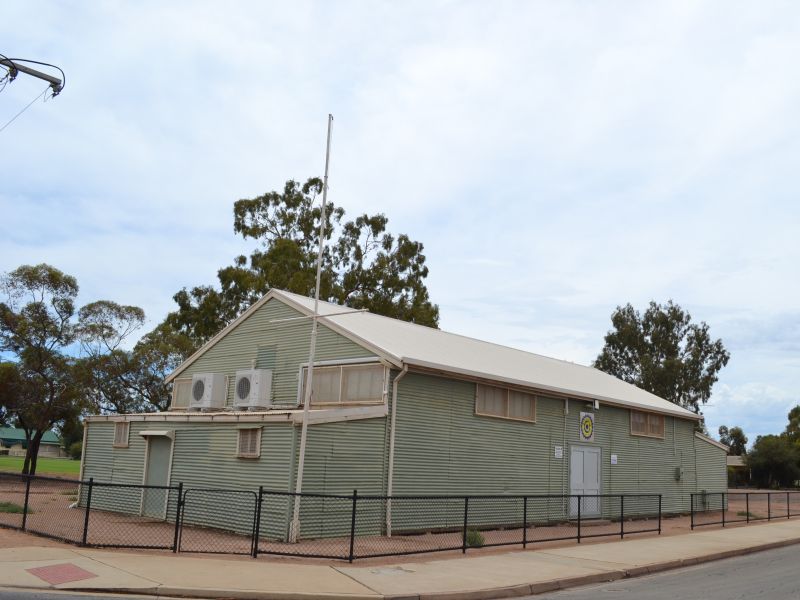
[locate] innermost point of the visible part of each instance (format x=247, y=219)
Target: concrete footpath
x=495, y=575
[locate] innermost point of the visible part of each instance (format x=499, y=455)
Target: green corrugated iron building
x=397, y=409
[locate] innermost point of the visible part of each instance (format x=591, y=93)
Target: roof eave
x=277, y=295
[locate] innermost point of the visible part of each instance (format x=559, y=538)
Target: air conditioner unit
x=253, y=389
x=208, y=392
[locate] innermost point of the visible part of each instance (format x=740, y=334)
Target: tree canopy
x=364, y=266
x=41, y=387
x=735, y=439
x=663, y=352
x=774, y=461
x=67, y=361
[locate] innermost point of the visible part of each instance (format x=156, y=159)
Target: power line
x=44, y=91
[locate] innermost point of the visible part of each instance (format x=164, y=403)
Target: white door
x=584, y=479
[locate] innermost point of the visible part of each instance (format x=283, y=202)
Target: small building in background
x=13, y=443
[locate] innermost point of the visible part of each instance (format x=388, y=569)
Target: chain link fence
x=344, y=526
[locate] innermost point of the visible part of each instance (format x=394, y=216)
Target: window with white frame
x=121, y=431
x=647, y=424
x=492, y=401
x=249, y=444
x=346, y=384
x=181, y=393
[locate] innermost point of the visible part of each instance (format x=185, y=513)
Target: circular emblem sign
x=587, y=426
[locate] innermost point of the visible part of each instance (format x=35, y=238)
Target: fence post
x=88, y=508
x=622, y=517
x=524, y=521
x=788, y=514
x=353, y=525
x=722, y=501
x=691, y=508
x=27, y=496
x=747, y=506
x=177, y=517
x=659, y=514
x=769, y=506
x=257, y=527
x=579, y=519
x=464, y=530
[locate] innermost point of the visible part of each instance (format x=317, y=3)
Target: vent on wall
x=253, y=389
x=208, y=391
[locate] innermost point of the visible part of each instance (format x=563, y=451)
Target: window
x=647, y=424
x=346, y=384
x=121, y=431
x=249, y=443
x=181, y=393
x=491, y=401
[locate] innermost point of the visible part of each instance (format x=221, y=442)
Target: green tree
x=37, y=326
x=793, y=427
x=663, y=352
x=735, y=439
x=364, y=266
x=774, y=461
x=118, y=380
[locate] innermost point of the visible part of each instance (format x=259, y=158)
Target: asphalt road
x=770, y=575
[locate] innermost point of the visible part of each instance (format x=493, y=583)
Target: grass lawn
x=44, y=466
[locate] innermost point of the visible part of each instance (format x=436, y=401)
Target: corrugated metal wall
x=712, y=470
x=204, y=456
x=444, y=448
x=279, y=346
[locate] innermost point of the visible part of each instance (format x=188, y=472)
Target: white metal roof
x=415, y=345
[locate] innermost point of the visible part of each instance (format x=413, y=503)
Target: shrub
x=474, y=538
x=10, y=507
x=74, y=450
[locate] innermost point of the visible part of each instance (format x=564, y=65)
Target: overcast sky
x=556, y=158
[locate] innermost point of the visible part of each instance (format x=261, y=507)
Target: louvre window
x=491, y=401
x=347, y=384
x=647, y=424
x=181, y=393
x=121, y=431
x=250, y=443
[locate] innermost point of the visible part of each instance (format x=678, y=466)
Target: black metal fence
x=92, y=513
x=724, y=508
x=347, y=527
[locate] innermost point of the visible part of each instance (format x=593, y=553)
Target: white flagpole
x=294, y=530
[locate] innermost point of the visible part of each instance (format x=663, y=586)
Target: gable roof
x=14, y=434
x=406, y=344
x=712, y=441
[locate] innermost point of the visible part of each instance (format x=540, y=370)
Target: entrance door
x=159, y=450
x=584, y=478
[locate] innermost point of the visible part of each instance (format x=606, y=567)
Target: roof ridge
x=453, y=333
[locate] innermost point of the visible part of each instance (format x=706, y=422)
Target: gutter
x=391, y=451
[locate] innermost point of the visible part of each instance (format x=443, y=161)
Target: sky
x=556, y=159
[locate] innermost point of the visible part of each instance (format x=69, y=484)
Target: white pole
x=294, y=530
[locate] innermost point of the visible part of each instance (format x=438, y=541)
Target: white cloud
x=556, y=159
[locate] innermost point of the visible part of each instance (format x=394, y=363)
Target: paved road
x=770, y=575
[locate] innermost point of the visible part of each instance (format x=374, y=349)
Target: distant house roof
x=13, y=435
x=736, y=461
x=407, y=344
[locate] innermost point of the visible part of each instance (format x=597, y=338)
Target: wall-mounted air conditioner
x=253, y=390
x=208, y=391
